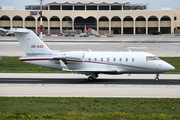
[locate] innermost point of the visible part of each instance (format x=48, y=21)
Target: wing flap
x=95, y=70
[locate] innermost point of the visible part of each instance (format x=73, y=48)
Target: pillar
x=134, y=27
x=11, y=23
x=97, y=26
x=23, y=23
x=146, y=26
x=158, y=25
x=72, y=24
x=36, y=26
x=172, y=25
x=60, y=25
x=122, y=27
x=109, y=27
x=48, y=26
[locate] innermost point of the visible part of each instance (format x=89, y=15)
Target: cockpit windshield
x=152, y=58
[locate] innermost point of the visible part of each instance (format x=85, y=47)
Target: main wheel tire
x=157, y=79
x=90, y=78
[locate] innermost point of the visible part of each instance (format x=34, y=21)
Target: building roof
x=90, y=2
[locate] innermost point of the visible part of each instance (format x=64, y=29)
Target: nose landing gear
x=157, y=77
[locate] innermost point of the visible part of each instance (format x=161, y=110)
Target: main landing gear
x=93, y=77
x=157, y=77
x=90, y=78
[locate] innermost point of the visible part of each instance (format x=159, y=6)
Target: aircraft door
x=108, y=60
x=83, y=56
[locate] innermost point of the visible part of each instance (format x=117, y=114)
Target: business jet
x=88, y=63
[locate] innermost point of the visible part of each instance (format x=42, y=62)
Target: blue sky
x=153, y=4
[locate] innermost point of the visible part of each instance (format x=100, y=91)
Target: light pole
x=41, y=18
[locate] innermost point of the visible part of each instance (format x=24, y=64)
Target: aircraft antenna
x=129, y=50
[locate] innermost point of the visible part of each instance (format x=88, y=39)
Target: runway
x=134, y=79
x=72, y=85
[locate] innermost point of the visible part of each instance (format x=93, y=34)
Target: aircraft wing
x=64, y=66
x=100, y=70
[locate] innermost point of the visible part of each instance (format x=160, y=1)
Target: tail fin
x=30, y=42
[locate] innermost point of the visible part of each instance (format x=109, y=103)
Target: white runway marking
x=142, y=40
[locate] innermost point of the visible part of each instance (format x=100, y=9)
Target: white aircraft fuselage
x=87, y=62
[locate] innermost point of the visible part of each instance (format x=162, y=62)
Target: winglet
x=64, y=67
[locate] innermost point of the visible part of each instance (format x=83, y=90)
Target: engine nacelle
x=76, y=56
x=70, y=57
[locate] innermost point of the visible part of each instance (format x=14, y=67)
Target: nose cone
x=169, y=67
x=172, y=67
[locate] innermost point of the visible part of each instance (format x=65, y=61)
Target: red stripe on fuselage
x=74, y=61
x=95, y=62
x=68, y=61
x=35, y=59
x=85, y=61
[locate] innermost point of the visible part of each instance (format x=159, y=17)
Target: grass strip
x=85, y=116
x=89, y=108
x=14, y=65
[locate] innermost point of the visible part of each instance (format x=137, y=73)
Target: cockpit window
x=156, y=58
x=152, y=58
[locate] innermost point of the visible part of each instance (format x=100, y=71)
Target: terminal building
x=104, y=16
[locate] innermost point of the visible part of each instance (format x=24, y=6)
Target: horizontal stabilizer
x=2, y=29
x=19, y=30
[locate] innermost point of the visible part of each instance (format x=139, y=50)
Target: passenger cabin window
x=95, y=59
x=120, y=59
x=89, y=59
x=126, y=59
x=152, y=58
x=108, y=59
x=133, y=59
x=114, y=59
x=101, y=59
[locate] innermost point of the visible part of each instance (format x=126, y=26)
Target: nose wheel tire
x=157, y=79
x=90, y=78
